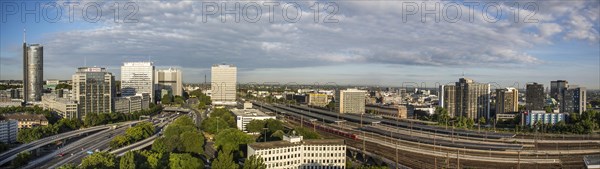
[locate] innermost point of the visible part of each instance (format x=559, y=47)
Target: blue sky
x=367, y=43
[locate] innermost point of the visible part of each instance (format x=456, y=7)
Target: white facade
x=546, y=118
x=303, y=154
x=223, y=84
x=244, y=116
x=8, y=130
x=65, y=107
x=128, y=104
x=137, y=78
x=170, y=80
x=351, y=101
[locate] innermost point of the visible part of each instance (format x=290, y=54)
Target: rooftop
x=25, y=116
x=282, y=143
x=248, y=112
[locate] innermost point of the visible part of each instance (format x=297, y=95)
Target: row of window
x=306, y=148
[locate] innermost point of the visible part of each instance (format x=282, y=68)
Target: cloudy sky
x=387, y=43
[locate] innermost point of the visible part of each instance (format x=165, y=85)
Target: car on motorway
x=61, y=154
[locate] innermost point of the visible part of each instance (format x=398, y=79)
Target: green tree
x=63, y=86
x=277, y=135
x=274, y=125
x=155, y=160
x=127, y=161
x=307, y=133
x=179, y=100
x=166, y=99
x=255, y=126
x=184, y=161
x=231, y=139
x=160, y=145
x=224, y=160
x=213, y=125
x=21, y=160
x=99, y=160
x=254, y=162
x=192, y=142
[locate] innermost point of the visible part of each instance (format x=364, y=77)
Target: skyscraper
x=223, y=84
x=557, y=89
x=93, y=88
x=472, y=99
x=534, y=97
x=351, y=101
x=170, y=80
x=574, y=100
x=507, y=100
x=447, y=98
x=33, y=72
x=137, y=78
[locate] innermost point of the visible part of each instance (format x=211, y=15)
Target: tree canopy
x=184, y=161
x=232, y=139
x=254, y=162
x=99, y=160
x=224, y=160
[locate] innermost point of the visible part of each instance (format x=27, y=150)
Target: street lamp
x=265, y=129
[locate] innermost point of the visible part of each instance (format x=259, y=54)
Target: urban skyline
x=531, y=53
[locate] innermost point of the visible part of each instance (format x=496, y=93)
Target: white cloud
x=173, y=33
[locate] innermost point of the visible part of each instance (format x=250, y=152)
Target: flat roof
x=248, y=112
x=592, y=160
x=282, y=143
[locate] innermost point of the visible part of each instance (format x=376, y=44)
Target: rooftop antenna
x=24, y=34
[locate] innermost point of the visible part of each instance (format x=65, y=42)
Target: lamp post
x=265, y=129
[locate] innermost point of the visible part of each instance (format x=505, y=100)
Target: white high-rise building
x=170, y=80
x=137, y=78
x=223, y=84
x=351, y=101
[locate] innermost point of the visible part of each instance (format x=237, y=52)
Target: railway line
x=506, y=151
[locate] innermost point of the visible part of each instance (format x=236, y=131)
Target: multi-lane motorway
x=89, y=140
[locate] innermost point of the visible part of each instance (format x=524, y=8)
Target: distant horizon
x=350, y=42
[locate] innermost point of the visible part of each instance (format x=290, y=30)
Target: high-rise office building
x=137, y=78
x=534, y=97
x=447, y=98
x=574, y=100
x=472, y=99
x=33, y=72
x=557, y=89
x=223, y=84
x=507, y=100
x=351, y=101
x=169, y=80
x=93, y=88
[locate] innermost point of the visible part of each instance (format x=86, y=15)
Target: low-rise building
x=317, y=99
x=65, y=107
x=244, y=116
x=294, y=152
x=532, y=117
x=27, y=120
x=8, y=130
x=128, y=104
